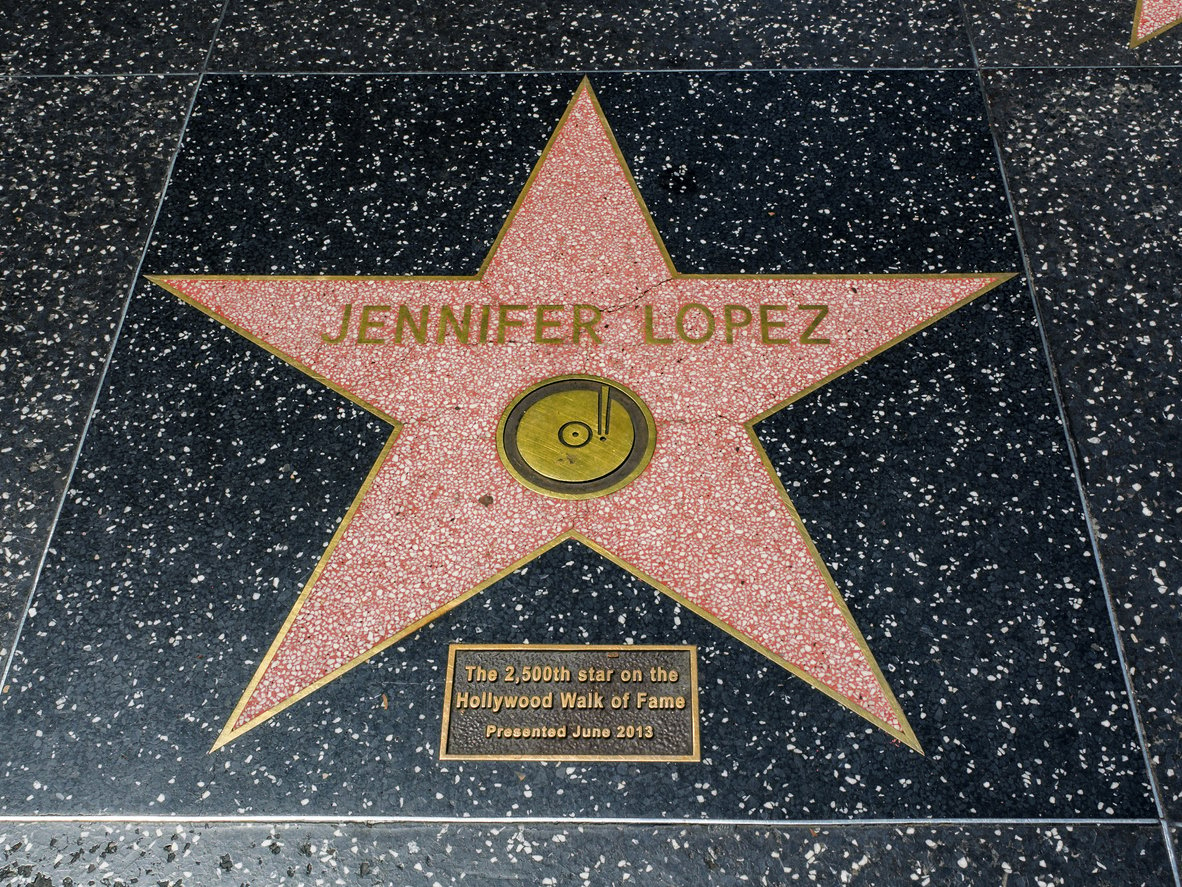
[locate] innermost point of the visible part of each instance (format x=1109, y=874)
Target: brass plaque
x=558, y=702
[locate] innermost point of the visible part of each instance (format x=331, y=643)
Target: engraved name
x=575, y=324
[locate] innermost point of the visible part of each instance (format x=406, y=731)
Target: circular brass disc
x=576, y=437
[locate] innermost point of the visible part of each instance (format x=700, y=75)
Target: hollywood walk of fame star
x=441, y=516
x=1152, y=18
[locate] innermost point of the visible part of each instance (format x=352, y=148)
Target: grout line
x=966, y=21
x=387, y=72
x=1096, y=67
x=1076, y=467
x=1171, y=852
x=105, y=75
x=574, y=72
x=1073, y=455
x=312, y=819
x=549, y=72
x=57, y=513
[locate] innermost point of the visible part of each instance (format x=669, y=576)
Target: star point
x=1152, y=18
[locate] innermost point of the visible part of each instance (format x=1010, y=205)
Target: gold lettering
x=541, y=324
x=735, y=317
x=650, y=337
x=484, y=314
x=806, y=336
x=460, y=329
x=766, y=325
x=588, y=325
x=344, y=327
x=680, y=325
x=419, y=330
x=504, y=321
x=366, y=324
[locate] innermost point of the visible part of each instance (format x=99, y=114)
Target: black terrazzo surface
x=934, y=479
x=1098, y=199
x=317, y=35
x=432, y=855
x=181, y=552
x=1063, y=32
x=82, y=166
x=106, y=36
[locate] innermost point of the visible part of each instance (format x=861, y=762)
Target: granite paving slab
x=431, y=854
x=1064, y=33
x=1093, y=158
x=312, y=35
x=105, y=37
x=84, y=162
x=934, y=479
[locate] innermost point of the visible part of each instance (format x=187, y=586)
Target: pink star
x=1153, y=18
x=439, y=517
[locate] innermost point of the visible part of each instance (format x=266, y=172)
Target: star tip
x=907, y=736
x=990, y=281
x=228, y=735
x=587, y=90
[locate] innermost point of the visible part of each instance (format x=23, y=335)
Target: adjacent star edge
x=1134, y=40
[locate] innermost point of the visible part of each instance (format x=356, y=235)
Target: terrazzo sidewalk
x=895, y=285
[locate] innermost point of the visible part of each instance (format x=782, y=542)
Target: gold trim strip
x=229, y=732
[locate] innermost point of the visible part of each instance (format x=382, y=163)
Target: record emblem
x=576, y=437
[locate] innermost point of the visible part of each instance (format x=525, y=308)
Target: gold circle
x=576, y=437
x=574, y=434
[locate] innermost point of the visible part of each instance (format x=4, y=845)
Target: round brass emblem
x=576, y=437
